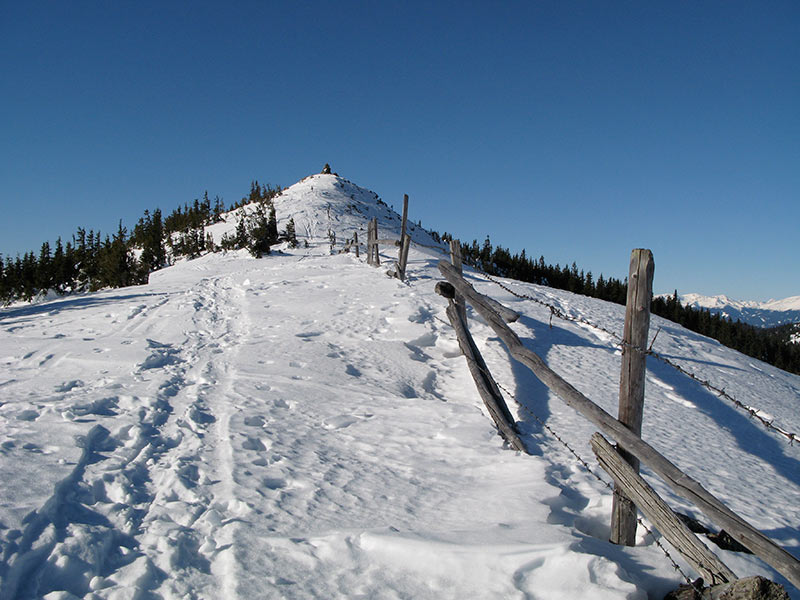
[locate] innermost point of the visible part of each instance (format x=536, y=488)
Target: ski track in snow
x=302, y=426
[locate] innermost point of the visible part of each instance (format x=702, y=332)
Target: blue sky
x=576, y=130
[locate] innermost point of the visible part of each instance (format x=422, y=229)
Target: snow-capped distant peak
x=762, y=314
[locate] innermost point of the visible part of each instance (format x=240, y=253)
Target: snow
x=302, y=426
x=761, y=314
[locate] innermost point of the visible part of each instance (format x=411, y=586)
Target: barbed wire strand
x=753, y=413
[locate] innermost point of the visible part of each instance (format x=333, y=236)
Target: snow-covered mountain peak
x=324, y=203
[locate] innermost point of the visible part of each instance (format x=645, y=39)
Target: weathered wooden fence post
x=631, y=383
x=373, y=253
x=401, y=266
x=355, y=241
x=402, y=254
x=455, y=258
x=375, y=247
x=370, y=238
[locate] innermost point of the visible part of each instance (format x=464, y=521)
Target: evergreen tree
x=117, y=267
x=28, y=274
x=44, y=269
x=272, y=225
x=259, y=231
x=219, y=208
x=241, y=230
x=291, y=234
x=62, y=270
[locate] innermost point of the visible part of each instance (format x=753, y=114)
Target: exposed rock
x=749, y=588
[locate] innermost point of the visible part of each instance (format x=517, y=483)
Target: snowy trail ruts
x=188, y=525
x=154, y=495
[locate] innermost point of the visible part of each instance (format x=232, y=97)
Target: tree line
x=771, y=345
x=90, y=261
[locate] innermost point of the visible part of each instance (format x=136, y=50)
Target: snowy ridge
x=760, y=314
x=302, y=426
x=322, y=203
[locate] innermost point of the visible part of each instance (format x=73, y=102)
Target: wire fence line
x=753, y=413
x=772, y=554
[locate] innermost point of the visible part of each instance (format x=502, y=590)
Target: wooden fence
x=631, y=492
x=374, y=243
x=622, y=463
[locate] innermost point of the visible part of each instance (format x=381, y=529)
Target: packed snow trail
x=302, y=426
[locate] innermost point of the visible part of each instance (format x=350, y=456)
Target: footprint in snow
x=103, y=407
x=69, y=385
x=307, y=335
x=27, y=415
x=281, y=403
x=275, y=483
x=200, y=415
x=252, y=443
x=340, y=422
x=162, y=357
x=254, y=421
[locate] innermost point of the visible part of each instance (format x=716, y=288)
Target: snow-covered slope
x=760, y=314
x=302, y=426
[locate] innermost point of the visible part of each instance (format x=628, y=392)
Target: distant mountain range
x=761, y=314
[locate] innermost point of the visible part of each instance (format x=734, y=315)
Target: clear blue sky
x=576, y=130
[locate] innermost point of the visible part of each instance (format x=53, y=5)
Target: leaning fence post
x=487, y=387
x=631, y=382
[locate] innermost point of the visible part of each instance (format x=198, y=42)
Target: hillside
x=302, y=426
